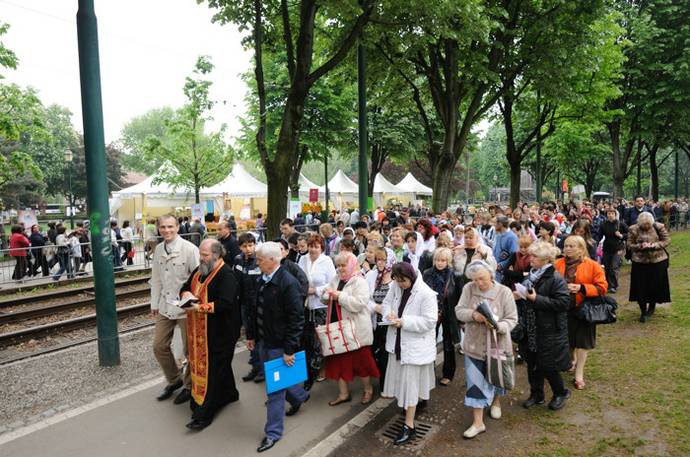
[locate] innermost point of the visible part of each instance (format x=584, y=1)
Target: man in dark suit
x=631, y=214
x=276, y=325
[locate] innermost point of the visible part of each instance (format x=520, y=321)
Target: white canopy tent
x=305, y=184
x=384, y=186
x=341, y=184
x=410, y=184
x=239, y=183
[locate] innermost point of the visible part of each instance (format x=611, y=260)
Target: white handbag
x=337, y=337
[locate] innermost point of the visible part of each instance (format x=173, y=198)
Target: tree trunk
x=654, y=172
x=514, y=184
x=618, y=166
x=277, y=199
x=441, y=174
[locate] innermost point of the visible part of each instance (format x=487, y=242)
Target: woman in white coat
x=348, y=294
x=319, y=270
x=411, y=308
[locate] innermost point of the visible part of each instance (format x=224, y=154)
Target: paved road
x=138, y=425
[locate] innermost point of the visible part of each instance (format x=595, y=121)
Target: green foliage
x=192, y=158
x=8, y=59
x=134, y=135
x=489, y=160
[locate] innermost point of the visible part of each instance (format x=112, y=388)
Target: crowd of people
x=402, y=281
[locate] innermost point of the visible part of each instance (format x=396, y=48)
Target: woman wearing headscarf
x=647, y=241
x=441, y=279
x=586, y=279
x=411, y=310
x=483, y=288
x=379, y=281
x=349, y=292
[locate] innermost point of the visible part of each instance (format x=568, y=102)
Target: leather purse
x=500, y=364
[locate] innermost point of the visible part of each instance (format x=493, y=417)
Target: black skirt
x=581, y=334
x=649, y=283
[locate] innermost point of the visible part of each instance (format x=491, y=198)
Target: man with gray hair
x=276, y=324
x=173, y=262
x=505, y=245
x=213, y=327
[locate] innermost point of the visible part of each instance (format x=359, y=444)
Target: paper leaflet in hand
x=485, y=310
x=521, y=290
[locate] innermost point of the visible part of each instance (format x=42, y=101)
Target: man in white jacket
x=173, y=263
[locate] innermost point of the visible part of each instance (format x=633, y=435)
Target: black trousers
x=449, y=366
x=20, y=267
x=536, y=377
x=41, y=262
x=378, y=348
x=612, y=264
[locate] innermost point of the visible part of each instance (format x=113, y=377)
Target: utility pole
x=325, y=179
x=537, y=172
x=362, y=122
x=675, y=181
x=97, y=188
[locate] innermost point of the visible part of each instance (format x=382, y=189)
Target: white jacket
x=482, y=252
x=353, y=301
x=418, y=331
x=319, y=274
x=169, y=271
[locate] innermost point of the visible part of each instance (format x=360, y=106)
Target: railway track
x=66, y=293
x=50, y=310
x=87, y=321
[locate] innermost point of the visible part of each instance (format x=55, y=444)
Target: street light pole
x=96, y=185
x=70, y=198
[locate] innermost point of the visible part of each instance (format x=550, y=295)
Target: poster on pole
x=294, y=208
x=197, y=211
x=27, y=217
x=564, y=185
x=313, y=195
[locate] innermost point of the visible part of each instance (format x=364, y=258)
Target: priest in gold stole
x=213, y=327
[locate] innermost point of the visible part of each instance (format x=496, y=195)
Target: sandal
x=446, y=383
x=579, y=385
x=339, y=400
x=367, y=396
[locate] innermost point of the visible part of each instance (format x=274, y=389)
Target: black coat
x=283, y=312
x=247, y=274
x=551, y=309
x=612, y=243
x=450, y=299
x=301, y=277
x=232, y=249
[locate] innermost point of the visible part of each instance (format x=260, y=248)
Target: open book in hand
x=184, y=303
x=521, y=290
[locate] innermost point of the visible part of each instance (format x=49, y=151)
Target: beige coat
x=354, y=299
x=502, y=304
x=169, y=271
x=655, y=254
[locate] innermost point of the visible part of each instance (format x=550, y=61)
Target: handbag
x=130, y=253
x=337, y=337
x=500, y=365
x=599, y=310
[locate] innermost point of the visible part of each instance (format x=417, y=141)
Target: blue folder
x=280, y=376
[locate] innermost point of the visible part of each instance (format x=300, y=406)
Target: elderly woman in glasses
x=411, y=311
x=483, y=288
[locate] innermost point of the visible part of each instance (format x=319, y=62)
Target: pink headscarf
x=352, y=266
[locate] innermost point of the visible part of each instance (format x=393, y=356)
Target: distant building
x=527, y=191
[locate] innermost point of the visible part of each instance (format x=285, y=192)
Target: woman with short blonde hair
x=545, y=251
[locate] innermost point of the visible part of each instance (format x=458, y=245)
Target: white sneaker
x=495, y=412
x=473, y=431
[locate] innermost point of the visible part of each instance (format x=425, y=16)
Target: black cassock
x=211, y=337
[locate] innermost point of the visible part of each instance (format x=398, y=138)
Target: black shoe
x=266, y=444
x=168, y=391
x=559, y=402
x=612, y=290
x=260, y=377
x=643, y=318
x=183, y=397
x=198, y=425
x=651, y=309
x=406, y=435
x=532, y=401
x=251, y=375
x=293, y=409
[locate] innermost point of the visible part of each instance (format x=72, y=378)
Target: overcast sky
x=147, y=47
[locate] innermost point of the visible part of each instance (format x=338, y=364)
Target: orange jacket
x=588, y=273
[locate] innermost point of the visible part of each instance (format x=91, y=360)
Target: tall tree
x=134, y=135
x=655, y=83
x=291, y=28
x=192, y=158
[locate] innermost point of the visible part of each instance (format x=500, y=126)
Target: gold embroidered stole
x=197, y=337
